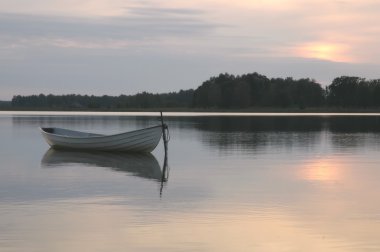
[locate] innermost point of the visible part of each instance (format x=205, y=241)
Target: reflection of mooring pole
x=165, y=173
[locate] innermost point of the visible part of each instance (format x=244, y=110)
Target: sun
x=325, y=51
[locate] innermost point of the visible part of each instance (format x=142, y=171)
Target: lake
x=260, y=182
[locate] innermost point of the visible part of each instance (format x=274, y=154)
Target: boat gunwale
x=91, y=137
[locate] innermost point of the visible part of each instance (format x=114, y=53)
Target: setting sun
x=325, y=51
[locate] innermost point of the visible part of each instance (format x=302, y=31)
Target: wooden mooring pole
x=164, y=136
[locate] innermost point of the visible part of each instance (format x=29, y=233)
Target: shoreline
x=178, y=113
x=260, y=110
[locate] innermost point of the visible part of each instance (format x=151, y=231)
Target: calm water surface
x=252, y=183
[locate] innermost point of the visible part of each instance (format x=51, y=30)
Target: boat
x=143, y=165
x=142, y=140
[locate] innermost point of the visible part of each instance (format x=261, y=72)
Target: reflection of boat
x=143, y=165
x=144, y=140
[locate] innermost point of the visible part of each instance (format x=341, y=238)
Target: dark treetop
x=248, y=91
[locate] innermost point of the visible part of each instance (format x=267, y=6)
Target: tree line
x=227, y=91
x=142, y=100
x=255, y=90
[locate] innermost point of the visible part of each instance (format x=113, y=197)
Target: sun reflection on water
x=323, y=170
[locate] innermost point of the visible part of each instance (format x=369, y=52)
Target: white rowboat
x=143, y=140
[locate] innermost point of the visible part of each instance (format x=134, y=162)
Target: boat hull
x=144, y=140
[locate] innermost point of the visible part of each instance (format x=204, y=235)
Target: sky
x=113, y=47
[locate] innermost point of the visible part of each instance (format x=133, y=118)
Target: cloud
x=141, y=24
x=284, y=25
x=266, y=28
x=69, y=8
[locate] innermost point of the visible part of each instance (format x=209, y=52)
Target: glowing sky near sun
x=194, y=40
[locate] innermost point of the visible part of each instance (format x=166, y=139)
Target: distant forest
x=225, y=92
